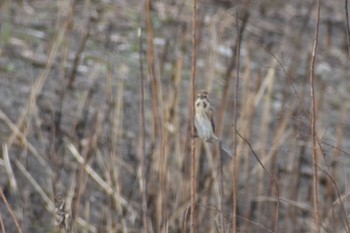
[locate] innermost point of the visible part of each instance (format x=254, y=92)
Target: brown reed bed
x=96, y=128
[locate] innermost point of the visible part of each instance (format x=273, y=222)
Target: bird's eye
x=198, y=104
x=204, y=104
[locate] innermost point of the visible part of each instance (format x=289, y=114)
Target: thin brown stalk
x=9, y=170
x=117, y=132
x=246, y=115
x=221, y=189
x=17, y=132
x=347, y=27
x=2, y=224
x=157, y=127
x=313, y=123
x=142, y=120
x=162, y=156
x=9, y=208
x=193, y=141
x=265, y=95
x=151, y=69
x=234, y=160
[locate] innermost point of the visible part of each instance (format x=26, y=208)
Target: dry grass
x=96, y=137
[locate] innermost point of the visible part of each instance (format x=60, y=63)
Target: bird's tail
x=225, y=149
x=222, y=146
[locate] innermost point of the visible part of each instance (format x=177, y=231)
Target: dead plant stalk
x=234, y=160
x=142, y=122
x=193, y=142
x=313, y=123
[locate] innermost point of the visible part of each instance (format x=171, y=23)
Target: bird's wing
x=211, y=118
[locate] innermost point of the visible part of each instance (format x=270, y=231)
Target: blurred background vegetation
x=75, y=156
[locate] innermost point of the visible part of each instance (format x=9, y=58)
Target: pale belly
x=204, y=128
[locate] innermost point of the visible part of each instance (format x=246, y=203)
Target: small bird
x=204, y=121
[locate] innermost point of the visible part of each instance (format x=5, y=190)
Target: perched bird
x=204, y=121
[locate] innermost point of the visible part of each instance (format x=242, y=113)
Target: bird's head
x=202, y=95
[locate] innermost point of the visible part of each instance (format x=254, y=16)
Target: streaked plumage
x=204, y=121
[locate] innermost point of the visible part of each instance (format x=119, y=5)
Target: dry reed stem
x=264, y=95
x=86, y=214
x=215, y=170
x=235, y=161
x=17, y=132
x=9, y=170
x=220, y=182
x=280, y=132
x=163, y=158
x=347, y=27
x=117, y=133
x=151, y=71
x=193, y=140
x=62, y=90
x=9, y=208
x=246, y=115
x=2, y=224
x=313, y=123
x=36, y=185
x=178, y=134
x=143, y=183
x=158, y=120
x=115, y=162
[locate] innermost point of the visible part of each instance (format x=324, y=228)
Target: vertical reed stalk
x=234, y=160
x=347, y=27
x=313, y=123
x=221, y=189
x=151, y=70
x=157, y=129
x=2, y=225
x=143, y=156
x=246, y=115
x=193, y=141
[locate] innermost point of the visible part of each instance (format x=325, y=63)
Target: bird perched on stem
x=204, y=121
